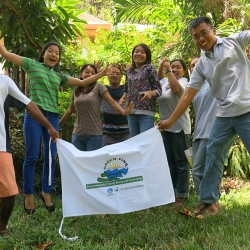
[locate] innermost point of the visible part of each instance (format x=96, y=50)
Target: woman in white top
x=176, y=139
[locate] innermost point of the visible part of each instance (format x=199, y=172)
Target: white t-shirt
x=10, y=96
x=167, y=104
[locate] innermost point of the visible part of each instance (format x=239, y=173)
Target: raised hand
x=98, y=65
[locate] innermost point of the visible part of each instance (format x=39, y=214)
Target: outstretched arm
x=87, y=81
x=183, y=104
x=16, y=59
x=116, y=106
x=36, y=113
x=68, y=113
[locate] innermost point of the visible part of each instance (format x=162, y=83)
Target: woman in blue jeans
x=44, y=79
x=86, y=103
x=141, y=87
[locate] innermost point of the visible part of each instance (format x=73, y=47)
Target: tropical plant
x=27, y=25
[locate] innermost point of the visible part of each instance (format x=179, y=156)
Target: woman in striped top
x=44, y=80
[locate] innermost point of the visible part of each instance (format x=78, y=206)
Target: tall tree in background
x=173, y=16
x=27, y=25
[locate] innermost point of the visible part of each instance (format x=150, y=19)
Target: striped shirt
x=44, y=84
x=113, y=120
x=88, y=108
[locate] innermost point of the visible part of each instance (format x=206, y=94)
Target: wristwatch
x=168, y=71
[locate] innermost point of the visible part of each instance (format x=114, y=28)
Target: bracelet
x=168, y=71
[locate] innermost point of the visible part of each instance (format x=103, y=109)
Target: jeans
x=199, y=159
x=139, y=123
x=221, y=138
x=33, y=131
x=175, y=144
x=87, y=142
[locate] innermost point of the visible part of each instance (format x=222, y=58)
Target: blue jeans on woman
x=33, y=131
x=139, y=123
x=87, y=142
x=175, y=144
x=220, y=140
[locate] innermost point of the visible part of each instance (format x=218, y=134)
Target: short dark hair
x=147, y=51
x=45, y=47
x=197, y=21
x=182, y=63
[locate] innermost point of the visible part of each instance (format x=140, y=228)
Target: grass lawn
x=155, y=228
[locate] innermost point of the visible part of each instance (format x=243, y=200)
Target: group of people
x=222, y=110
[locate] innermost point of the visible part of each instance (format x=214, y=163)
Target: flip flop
x=203, y=210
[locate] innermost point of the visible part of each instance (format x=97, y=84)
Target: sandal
x=203, y=209
x=179, y=201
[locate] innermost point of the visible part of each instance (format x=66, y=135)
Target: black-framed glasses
x=202, y=33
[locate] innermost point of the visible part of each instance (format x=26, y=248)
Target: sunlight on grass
x=154, y=228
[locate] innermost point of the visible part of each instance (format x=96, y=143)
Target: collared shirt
x=227, y=69
x=205, y=108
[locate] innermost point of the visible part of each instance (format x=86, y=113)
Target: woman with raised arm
x=176, y=139
x=86, y=103
x=44, y=78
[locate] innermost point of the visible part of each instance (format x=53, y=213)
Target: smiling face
x=204, y=36
x=87, y=72
x=139, y=56
x=177, y=69
x=115, y=77
x=51, y=56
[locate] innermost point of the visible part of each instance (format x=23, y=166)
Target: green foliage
x=64, y=98
x=99, y=8
x=238, y=160
x=27, y=25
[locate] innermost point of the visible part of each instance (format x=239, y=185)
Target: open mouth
x=52, y=60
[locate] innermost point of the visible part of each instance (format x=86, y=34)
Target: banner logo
x=114, y=170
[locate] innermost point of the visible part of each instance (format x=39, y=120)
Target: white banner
x=120, y=178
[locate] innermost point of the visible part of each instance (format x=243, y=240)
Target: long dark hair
x=78, y=90
x=147, y=51
x=45, y=47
